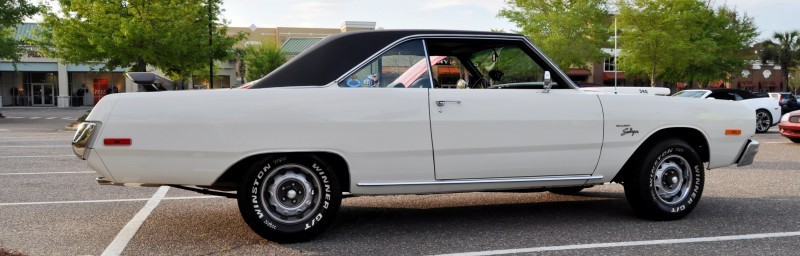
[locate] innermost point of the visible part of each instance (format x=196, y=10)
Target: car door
x=501, y=133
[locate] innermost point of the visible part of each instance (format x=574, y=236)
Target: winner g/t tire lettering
x=289, y=198
x=666, y=181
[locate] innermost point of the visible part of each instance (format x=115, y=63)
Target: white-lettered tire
x=289, y=198
x=666, y=181
x=763, y=121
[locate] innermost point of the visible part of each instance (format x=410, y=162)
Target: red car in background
x=790, y=126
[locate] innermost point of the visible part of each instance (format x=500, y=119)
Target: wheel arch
x=229, y=180
x=693, y=136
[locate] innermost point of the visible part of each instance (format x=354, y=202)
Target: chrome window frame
x=538, y=52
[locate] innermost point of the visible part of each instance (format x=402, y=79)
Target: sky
x=769, y=15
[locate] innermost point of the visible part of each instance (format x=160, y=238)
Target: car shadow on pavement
x=590, y=218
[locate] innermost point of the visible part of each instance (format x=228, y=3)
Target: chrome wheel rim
x=672, y=179
x=292, y=194
x=762, y=121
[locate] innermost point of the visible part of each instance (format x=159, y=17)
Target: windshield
x=690, y=94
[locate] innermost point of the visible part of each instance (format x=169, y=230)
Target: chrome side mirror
x=548, y=82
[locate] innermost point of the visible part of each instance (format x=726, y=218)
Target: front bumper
x=748, y=153
x=790, y=130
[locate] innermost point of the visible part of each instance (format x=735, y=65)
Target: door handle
x=441, y=103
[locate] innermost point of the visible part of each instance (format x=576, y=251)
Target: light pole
x=615, y=12
x=210, y=48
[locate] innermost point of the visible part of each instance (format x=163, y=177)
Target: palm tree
x=784, y=50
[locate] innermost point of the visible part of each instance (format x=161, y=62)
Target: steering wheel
x=482, y=83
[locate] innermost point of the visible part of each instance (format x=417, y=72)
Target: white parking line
x=47, y=146
x=36, y=156
x=49, y=118
x=632, y=243
x=107, y=200
x=39, y=173
x=126, y=234
x=34, y=117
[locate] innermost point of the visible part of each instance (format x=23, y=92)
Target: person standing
x=353, y=82
x=79, y=95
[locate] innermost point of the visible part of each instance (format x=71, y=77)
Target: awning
x=610, y=75
x=578, y=72
x=446, y=70
x=768, y=84
x=716, y=84
x=742, y=84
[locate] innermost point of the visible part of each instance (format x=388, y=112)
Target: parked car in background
x=294, y=143
x=788, y=102
x=790, y=126
x=767, y=110
x=774, y=95
x=761, y=95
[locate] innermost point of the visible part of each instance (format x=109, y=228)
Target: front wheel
x=763, y=121
x=289, y=198
x=666, y=183
x=795, y=140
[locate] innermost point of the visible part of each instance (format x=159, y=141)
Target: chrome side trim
x=105, y=181
x=481, y=181
x=748, y=154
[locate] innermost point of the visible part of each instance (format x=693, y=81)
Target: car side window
x=484, y=64
x=737, y=97
x=403, y=66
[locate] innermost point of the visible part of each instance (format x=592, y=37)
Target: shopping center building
x=37, y=80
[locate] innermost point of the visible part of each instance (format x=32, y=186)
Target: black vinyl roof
x=744, y=94
x=333, y=56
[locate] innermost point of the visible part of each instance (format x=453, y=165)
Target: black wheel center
x=671, y=178
x=290, y=193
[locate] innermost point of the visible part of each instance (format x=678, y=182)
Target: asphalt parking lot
x=51, y=205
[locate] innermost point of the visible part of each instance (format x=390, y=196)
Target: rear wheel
x=666, y=181
x=289, y=198
x=763, y=121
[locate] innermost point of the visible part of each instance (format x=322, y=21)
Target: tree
x=261, y=59
x=794, y=81
x=784, y=50
x=656, y=35
x=719, y=44
x=171, y=35
x=572, y=32
x=11, y=14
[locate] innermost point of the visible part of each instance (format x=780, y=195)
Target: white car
x=298, y=139
x=767, y=110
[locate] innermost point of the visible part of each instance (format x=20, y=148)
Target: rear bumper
x=81, y=142
x=748, y=153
